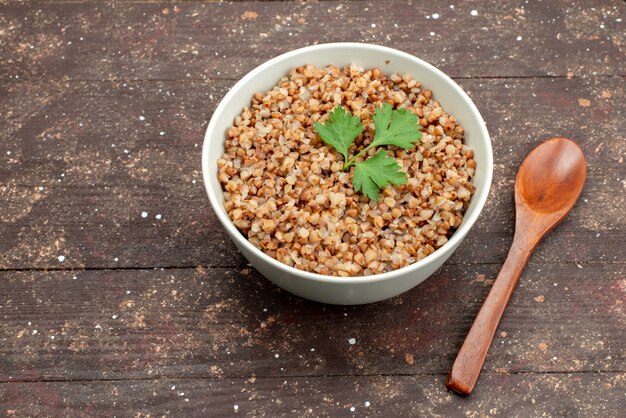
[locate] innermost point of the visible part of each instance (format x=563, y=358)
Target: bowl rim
x=237, y=236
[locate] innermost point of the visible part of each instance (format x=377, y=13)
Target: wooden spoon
x=547, y=186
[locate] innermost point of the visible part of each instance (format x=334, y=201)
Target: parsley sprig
x=398, y=128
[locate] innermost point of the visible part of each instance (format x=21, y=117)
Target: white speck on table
x=352, y=341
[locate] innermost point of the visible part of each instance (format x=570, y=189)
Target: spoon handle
x=471, y=357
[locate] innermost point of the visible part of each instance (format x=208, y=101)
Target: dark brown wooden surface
x=149, y=316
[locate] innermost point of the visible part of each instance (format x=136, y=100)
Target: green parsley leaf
x=340, y=130
x=375, y=173
x=399, y=127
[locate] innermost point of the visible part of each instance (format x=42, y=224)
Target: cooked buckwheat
x=284, y=188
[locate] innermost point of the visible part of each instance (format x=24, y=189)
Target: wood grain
x=122, y=324
x=599, y=394
x=139, y=41
x=103, y=107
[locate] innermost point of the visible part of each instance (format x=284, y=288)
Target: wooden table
x=120, y=293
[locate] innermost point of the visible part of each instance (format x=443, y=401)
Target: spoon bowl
x=551, y=177
x=547, y=186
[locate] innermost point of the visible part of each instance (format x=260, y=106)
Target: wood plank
x=142, y=324
x=138, y=41
x=569, y=395
x=78, y=167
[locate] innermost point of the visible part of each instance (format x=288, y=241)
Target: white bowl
x=361, y=289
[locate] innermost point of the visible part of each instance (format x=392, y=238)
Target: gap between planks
x=304, y=376
x=150, y=268
x=211, y=79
